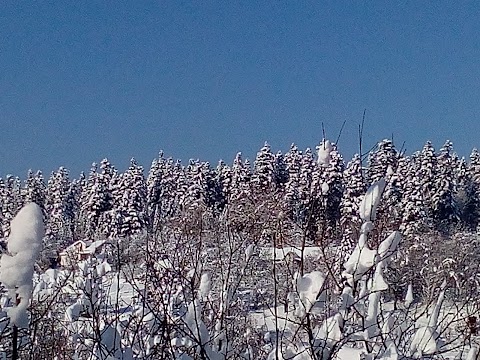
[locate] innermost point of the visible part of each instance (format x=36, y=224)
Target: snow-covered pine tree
x=154, y=190
x=215, y=197
x=223, y=179
x=72, y=206
x=308, y=189
x=445, y=211
x=332, y=187
x=382, y=159
x=180, y=186
x=57, y=207
x=389, y=215
x=280, y=173
x=88, y=206
x=239, y=192
x=354, y=189
x=97, y=199
x=240, y=185
x=129, y=202
x=195, y=197
x=165, y=184
x=11, y=201
x=465, y=197
x=2, y=196
x=35, y=189
x=263, y=178
x=109, y=182
x=78, y=190
x=413, y=204
x=427, y=175
x=111, y=220
x=174, y=185
x=292, y=203
x=471, y=209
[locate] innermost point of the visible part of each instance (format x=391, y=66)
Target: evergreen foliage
x=317, y=194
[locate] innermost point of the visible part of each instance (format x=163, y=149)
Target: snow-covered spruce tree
x=325, y=192
x=11, y=201
x=240, y=186
x=194, y=196
x=390, y=209
x=165, y=183
x=293, y=163
x=465, y=196
x=111, y=219
x=3, y=207
x=154, y=190
x=413, y=204
x=222, y=177
x=72, y=207
x=263, y=178
x=445, y=211
x=78, y=187
x=35, y=189
x=129, y=202
x=239, y=199
x=59, y=208
x=204, y=188
x=214, y=190
x=332, y=166
x=427, y=174
x=471, y=208
x=91, y=205
x=354, y=189
x=202, y=197
x=382, y=160
x=280, y=172
x=88, y=206
x=307, y=218
x=97, y=198
x=414, y=226
x=180, y=186
x=224, y=180
x=17, y=266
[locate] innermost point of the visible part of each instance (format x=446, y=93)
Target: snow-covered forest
x=297, y=255
x=317, y=190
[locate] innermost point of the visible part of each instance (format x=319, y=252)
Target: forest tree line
x=317, y=192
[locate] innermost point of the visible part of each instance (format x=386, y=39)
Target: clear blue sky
x=83, y=80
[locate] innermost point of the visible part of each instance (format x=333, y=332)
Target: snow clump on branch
x=16, y=267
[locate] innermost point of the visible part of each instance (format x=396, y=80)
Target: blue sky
x=85, y=80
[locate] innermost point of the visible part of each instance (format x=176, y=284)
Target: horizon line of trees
x=316, y=191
